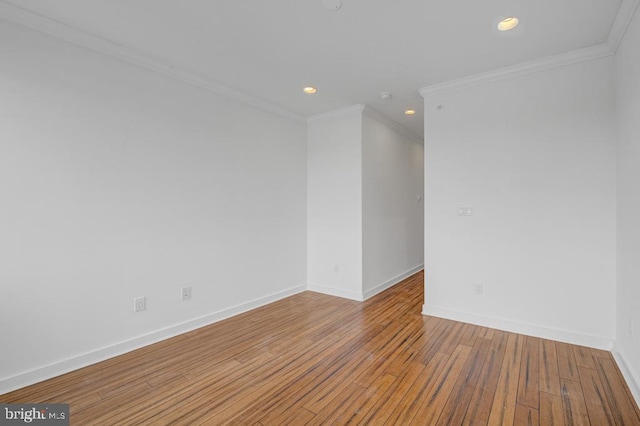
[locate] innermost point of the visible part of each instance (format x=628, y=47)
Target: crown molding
x=23, y=17
x=550, y=62
x=625, y=14
x=338, y=113
x=381, y=118
x=623, y=18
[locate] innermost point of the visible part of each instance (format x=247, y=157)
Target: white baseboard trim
x=561, y=335
x=335, y=292
x=630, y=376
x=393, y=281
x=39, y=374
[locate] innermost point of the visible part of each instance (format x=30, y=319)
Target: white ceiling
x=271, y=49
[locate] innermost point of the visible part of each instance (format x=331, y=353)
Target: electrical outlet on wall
x=186, y=293
x=478, y=289
x=139, y=304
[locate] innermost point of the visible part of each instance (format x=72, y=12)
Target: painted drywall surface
x=115, y=183
x=334, y=208
x=534, y=156
x=392, y=207
x=628, y=111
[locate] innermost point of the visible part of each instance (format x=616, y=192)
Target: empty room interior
x=320, y=211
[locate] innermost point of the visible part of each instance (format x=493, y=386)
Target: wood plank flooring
x=313, y=359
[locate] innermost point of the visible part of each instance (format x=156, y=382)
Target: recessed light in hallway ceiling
x=508, y=24
x=310, y=90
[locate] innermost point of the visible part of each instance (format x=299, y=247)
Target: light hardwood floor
x=315, y=359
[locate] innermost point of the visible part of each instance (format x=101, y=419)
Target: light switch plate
x=465, y=211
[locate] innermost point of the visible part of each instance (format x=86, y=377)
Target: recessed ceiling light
x=508, y=24
x=409, y=111
x=310, y=90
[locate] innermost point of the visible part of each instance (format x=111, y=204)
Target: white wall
x=628, y=110
x=535, y=157
x=116, y=182
x=392, y=213
x=365, y=223
x=334, y=207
